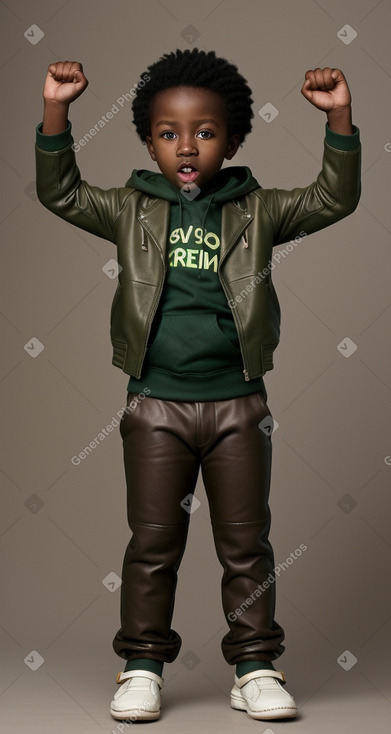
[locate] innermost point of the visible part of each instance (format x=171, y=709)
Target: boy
x=194, y=323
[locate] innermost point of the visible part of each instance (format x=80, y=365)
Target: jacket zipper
x=157, y=299
x=245, y=371
x=242, y=234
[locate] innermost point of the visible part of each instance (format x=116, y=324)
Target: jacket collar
x=154, y=215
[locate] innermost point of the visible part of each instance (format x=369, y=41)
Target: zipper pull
x=143, y=245
x=244, y=235
x=246, y=377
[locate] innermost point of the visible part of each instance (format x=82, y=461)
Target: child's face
x=188, y=125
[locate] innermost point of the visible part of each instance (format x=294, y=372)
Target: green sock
x=154, y=666
x=247, y=666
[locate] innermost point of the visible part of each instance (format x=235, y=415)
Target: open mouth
x=187, y=172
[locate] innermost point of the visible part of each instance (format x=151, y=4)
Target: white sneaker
x=260, y=694
x=139, y=696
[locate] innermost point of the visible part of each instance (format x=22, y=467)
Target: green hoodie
x=193, y=350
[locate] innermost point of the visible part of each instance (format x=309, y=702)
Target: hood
x=229, y=183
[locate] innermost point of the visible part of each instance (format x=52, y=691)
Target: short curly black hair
x=195, y=68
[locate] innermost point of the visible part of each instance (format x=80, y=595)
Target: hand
x=64, y=82
x=326, y=89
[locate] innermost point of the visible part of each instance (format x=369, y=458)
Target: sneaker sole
x=277, y=713
x=135, y=715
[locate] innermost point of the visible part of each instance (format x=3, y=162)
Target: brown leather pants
x=165, y=442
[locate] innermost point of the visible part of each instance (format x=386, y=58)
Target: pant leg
x=161, y=469
x=236, y=469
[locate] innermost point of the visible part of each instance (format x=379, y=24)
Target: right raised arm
x=64, y=83
x=58, y=182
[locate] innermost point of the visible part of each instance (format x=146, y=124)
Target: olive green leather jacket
x=251, y=227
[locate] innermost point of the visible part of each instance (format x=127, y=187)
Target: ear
x=150, y=147
x=232, y=146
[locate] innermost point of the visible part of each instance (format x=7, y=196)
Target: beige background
x=63, y=528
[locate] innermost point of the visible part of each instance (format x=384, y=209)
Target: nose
x=186, y=146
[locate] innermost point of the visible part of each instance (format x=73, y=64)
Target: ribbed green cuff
x=343, y=142
x=55, y=142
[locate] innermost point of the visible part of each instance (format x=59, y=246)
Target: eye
x=168, y=132
x=205, y=132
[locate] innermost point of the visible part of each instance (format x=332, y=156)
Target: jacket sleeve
x=333, y=196
x=61, y=189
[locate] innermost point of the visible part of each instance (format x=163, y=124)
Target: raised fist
x=64, y=82
x=326, y=88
